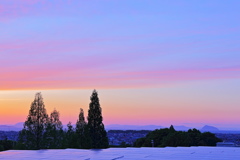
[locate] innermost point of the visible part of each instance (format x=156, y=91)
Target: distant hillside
x=9, y=128
x=207, y=128
x=143, y=127
x=19, y=125
x=16, y=127
x=182, y=128
x=132, y=127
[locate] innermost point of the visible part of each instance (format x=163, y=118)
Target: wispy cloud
x=70, y=64
x=59, y=44
x=86, y=77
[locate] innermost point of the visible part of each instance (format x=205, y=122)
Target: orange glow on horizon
x=160, y=106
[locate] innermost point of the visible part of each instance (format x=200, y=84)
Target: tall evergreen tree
x=53, y=136
x=97, y=131
x=55, y=120
x=34, y=126
x=82, y=132
x=81, y=121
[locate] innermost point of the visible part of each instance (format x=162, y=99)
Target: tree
x=172, y=129
x=82, y=132
x=6, y=144
x=171, y=137
x=97, y=131
x=53, y=136
x=34, y=126
x=81, y=122
x=55, y=120
x=71, y=136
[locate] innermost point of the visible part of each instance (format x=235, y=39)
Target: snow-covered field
x=168, y=153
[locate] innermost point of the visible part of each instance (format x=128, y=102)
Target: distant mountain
x=143, y=127
x=181, y=128
x=132, y=127
x=15, y=127
x=207, y=128
x=9, y=128
x=19, y=125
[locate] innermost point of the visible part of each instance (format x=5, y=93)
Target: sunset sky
x=152, y=62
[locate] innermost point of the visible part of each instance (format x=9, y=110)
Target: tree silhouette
x=97, y=131
x=170, y=137
x=71, y=136
x=43, y=132
x=81, y=122
x=35, y=124
x=53, y=135
x=55, y=120
x=82, y=132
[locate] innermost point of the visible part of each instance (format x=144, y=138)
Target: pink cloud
x=82, y=63
x=67, y=79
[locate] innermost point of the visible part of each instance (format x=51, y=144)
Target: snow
x=168, y=153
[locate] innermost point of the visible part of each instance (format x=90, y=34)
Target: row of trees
x=171, y=137
x=43, y=132
x=6, y=144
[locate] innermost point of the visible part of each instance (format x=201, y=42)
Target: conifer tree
x=34, y=126
x=55, y=120
x=82, y=132
x=97, y=131
x=81, y=121
x=71, y=136
x=172, y=129
x=53, y=136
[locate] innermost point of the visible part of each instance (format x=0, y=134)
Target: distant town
x=126, y=135
x=126, y=138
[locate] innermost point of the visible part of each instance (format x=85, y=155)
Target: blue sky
x=188, y=50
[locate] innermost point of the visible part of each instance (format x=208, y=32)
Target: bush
x=6, y=145
x=1, y=148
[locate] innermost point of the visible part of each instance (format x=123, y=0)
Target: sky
x=152, y=62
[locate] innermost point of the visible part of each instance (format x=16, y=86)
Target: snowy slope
x=169, y=153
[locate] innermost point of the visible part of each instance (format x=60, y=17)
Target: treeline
x=171, y=137
x=7, y=144
x=42, y=131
